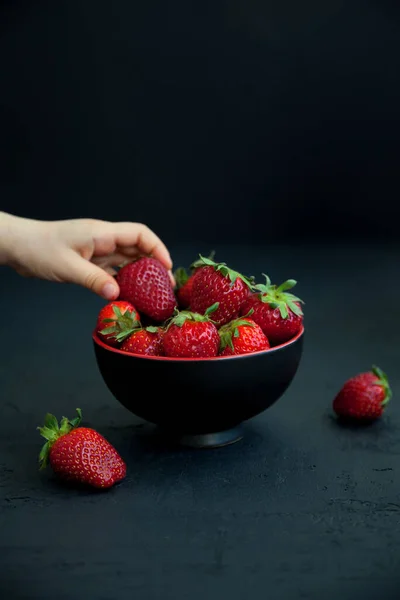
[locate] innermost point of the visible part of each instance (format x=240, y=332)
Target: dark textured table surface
x=300, y=508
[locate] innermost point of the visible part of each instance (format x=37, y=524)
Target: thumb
x=83, y=272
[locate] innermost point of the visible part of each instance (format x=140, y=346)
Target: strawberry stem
x=51, y=431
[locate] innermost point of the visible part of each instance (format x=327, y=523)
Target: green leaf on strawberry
x=225, y=271
x=278, y=297
x=51, y=431
x=383, y=381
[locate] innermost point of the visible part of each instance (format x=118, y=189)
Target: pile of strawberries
x=209, y=311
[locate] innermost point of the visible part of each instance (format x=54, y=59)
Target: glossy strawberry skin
x=362, y=397
x=85, y=456
x=191, y=340
x=277, y=329
x=250, y=338
x=144, y=342
x=107, y=312
x=146, y=284
x=210, y=286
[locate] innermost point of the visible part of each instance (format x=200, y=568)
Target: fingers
x=128, y=235
x=82, y=272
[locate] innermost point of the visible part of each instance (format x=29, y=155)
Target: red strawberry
x=146, y=340
x=191, y=335
x=242, y=336
x=146, y=284
x=115, y=321
x=184, y=282
x=80, y=454
x=215, y=282
x=183, y=291
x=364, y=396
x=277, y=312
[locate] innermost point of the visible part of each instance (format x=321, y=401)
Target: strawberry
x=184, y=282
x=115, y=321
x=364, y=396
x=145, y=283
x=80, y=454
x=242, y=336
x=276, y=311
x=146, y=340
x=191, y=335
x=215, y=282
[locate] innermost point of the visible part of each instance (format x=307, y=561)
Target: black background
x=219, y=120
x=268, y=132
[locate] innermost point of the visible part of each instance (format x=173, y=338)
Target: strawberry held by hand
x=80, y=454
x=145, y=340
x=276, y=311
x=242, y=336
x=145, y=283
x=215, y=282
x=364, y=396
x=191, y=335
x=115, y=321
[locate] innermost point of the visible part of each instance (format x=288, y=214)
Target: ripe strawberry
x=80, y=454
x=146, y=284
x=115, y=321
x=277, y=312
x=183, y=291
x=242, y=336
x=215, y=282
x=146, y=340
x=184, y=282
x=364, y=396
x=191, y=335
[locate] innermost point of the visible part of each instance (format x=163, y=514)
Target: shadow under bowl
x=201, y=402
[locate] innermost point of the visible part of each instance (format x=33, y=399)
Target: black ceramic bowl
x=201, y=401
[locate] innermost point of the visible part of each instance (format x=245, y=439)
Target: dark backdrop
x=243, y=119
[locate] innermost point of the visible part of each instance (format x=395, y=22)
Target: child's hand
x=80, y=251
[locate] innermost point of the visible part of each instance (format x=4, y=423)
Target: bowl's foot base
x=211, y=440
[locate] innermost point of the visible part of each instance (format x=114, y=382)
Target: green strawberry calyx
x=278, y=297
x=122, y=325
x=225, y=271
x=181, y=277
x=52, y=431
x=383, y=382
x=231, y=330
x=181, y=316
x=199, y=262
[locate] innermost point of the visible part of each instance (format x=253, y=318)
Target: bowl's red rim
x=100, y=342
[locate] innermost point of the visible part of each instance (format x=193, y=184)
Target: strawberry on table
x=277, y=311
x=216, y=282
x=145, y=340
x=80, y=454
x=192, y=335
x=242, y=336
x=145, y=283
x=363, y=397
x=115, y=321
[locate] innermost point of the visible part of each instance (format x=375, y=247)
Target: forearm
x=8, y=233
